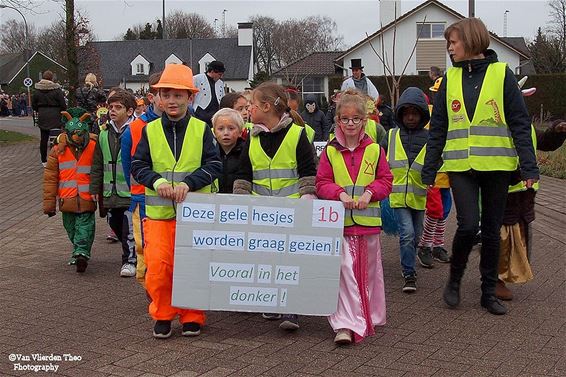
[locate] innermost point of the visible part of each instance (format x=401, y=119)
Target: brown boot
x=502, y=292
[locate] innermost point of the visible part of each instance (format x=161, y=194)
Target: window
x=313, y=86
x=140, y=69
x=430, y=30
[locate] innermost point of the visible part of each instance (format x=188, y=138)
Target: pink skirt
x=361, y=298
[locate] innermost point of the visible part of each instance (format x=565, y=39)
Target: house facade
x=13, y=70
x=128, y=64
x=427, y=21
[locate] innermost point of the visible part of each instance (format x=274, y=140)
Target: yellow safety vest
x=371, y=216
x=114, y=180
x=310, y=133
x=276, y=176
x=485, y=143
x=175, y=171
x=408, y=189
x=521, y=185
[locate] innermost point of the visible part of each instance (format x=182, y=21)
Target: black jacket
x=48, y=101
x=386, y=117
x=230, y=167
x=516, y=115
x=413, y=139
x=88, y=97
x=317, y=120
x=211, y=166
x=270, y=143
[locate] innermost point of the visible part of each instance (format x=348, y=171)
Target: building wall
x=38, y=64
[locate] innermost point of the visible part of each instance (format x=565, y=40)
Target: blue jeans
x=410, y=223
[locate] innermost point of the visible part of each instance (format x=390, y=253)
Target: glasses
x=355, y=120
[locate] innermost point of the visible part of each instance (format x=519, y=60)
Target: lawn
x=10, y=137
x=553, y=163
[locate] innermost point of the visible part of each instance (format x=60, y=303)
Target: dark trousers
x=120, y=221
x=467, y=188
x=46, y=135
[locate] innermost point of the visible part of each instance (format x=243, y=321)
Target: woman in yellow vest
x=175, y=155
x=277, y=158
x=354, y=170
x=481, y=129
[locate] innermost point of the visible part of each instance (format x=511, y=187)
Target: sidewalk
x=47, y=308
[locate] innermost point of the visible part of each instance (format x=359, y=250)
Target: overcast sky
x=111, y=18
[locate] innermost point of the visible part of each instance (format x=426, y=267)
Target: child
x=108, y=182
x=276, y=145
x=354, y=170
x=316, y=119
x=227, y=125
x=294, y=101
x=175, y=155
x=66, y=178
x=405, y=148
x=129, y=141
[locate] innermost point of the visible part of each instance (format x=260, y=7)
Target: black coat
x=413, y=139
x=516, y=115
x=230, y=166
x=88, y=97
x=48, y=101
x=317, y=120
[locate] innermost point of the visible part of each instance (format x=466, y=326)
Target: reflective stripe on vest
x=485, y=143
x=171, y=168
x=371, y=216
x=276, y=176
x=114, y=180
x=408, y=189
x=74, y=176
x=521, y=185
x=136, y=131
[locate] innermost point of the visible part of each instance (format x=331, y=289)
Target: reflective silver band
x=275, y=174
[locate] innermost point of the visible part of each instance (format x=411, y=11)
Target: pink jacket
x=327, y=189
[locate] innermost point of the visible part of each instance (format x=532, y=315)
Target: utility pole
x=471, y=8
x=164, y=33
x=224, y=23
x=215, y=26
x=505, y=23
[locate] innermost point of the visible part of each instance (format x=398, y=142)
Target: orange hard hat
x=176, y=76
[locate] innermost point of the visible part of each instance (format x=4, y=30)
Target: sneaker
x=410, y=285
x=493, y=305
x=162, y=329
x=440, y=254
x=128, y=270
x=290, y=322
x=191, y=329
x=81, y=262
x=424, y=255
x=112, y=237
x=343, y=337
x=271, y=316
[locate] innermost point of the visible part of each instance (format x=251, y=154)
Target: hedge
x=551, y=91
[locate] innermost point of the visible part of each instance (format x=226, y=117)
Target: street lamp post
x=26, y=43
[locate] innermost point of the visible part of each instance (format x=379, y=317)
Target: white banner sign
x=258, y=254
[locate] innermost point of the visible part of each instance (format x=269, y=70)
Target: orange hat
x=436, y=85
x=140, y=102
x=176, y=76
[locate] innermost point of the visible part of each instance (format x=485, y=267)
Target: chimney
x=388, y=11
x=245, y=34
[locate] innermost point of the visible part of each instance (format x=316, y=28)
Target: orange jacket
x=136, y=128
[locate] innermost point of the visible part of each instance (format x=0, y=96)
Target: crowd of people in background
x=15, y=105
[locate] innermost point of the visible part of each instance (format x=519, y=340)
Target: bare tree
x=188, y=25
x=558, y=25
x=264, y=28
x=13, y=37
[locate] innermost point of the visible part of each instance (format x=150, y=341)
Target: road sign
x=28, y=82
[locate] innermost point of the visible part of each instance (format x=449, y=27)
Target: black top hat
x=356, y=63
x=216, y=65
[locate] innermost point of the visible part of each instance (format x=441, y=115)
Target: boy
x=227, y=125
x=108, y=183
x=175, y=155
x=405, y=146
x=67, y=177
x=129, y=141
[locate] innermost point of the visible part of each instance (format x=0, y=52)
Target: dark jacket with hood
x=317, y=120
x=413, y=139
x=48, y=101
x=88, y=97
x=516, y=115
x=230, y=167
x=210, y=169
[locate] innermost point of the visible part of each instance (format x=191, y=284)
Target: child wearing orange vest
x=66, y=179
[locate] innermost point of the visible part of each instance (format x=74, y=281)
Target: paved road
x=47, y=308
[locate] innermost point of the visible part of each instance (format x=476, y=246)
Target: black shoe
x=410, y=285
x=424, y=255
x=271, y=316
x=81, y=262
x=290, y=322
x=191, y=329
x=162, y=329
x=440, y=254
x=493, y=305
x=452, y=294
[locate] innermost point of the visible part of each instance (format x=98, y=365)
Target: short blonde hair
x=231, y=114
x=90, y=79
x=472, y=33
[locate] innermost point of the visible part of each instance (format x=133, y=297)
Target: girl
x=354, y=170
x=277, y=158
